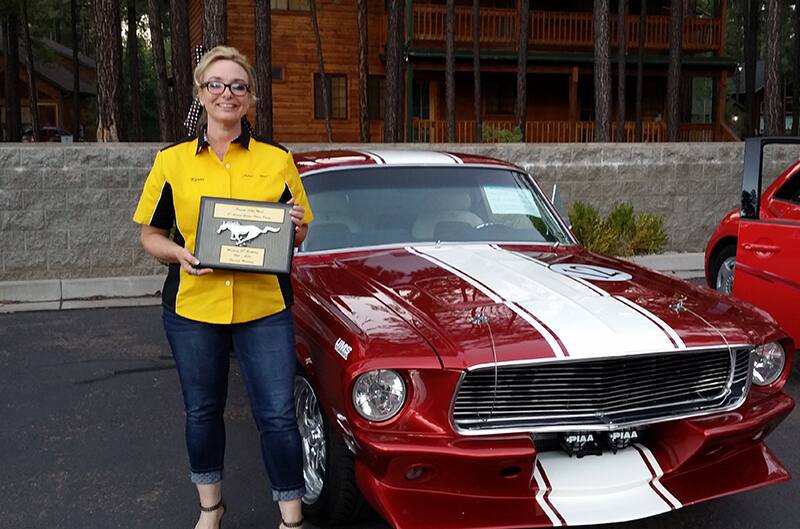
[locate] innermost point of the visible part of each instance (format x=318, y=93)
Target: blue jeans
x=266, y=352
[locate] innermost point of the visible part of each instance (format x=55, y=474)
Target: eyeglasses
x=218, y=88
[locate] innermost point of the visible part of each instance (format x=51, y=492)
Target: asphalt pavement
x=91, y=431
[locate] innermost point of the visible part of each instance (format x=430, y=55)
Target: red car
x=762, y=245
x=464, y=363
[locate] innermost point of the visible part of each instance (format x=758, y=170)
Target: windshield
x=397, y=205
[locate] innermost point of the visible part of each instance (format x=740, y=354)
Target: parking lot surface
x=92, y=436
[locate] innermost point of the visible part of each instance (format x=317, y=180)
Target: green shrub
x=621, y=233
x=490, y=134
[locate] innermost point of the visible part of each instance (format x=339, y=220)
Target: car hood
x=481, y=303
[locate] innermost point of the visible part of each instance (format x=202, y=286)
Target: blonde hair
x=225, y=53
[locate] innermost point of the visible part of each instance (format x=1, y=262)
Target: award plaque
x=244, y=235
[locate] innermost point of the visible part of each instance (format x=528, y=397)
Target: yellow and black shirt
x=252, y=169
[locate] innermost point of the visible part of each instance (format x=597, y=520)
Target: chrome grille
x=600, y=394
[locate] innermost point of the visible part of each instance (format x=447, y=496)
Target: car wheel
x=332, y=496
x=723, y=268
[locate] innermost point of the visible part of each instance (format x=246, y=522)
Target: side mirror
x=558, y=202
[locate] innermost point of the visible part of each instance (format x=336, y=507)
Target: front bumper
x=500, y=481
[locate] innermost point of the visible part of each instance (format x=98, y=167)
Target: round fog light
x=415, y=472
x=768, y=363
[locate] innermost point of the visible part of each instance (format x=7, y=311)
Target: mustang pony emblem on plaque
x=241, y=234
x=243, y=247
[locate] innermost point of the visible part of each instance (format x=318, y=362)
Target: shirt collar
x=202, y=139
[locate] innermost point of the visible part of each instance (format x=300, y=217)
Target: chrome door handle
x=761, y=248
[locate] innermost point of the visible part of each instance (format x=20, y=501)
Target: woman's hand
x=189, y=261
x=297, y=214
x=157, y=243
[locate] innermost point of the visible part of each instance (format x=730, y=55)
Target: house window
x=289, y=5
x=277, y=73
x=501, y=95
x=422, y=100
x=337, y=95
x=48, y=115
x=375, y=89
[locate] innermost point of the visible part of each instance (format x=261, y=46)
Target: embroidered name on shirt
x=197, y=179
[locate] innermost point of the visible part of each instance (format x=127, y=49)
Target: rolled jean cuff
x=206, y=478
x=288, y=495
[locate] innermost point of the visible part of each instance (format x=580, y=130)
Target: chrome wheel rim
x=312, y=434
x=725, y=275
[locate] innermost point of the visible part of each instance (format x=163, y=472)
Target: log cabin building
x=560, y=93
x=54, y=85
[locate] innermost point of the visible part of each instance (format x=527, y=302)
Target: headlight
x=378, y=395
x=768, y=365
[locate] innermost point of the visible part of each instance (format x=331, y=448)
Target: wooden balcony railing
x=557, y=30
x=430, y=131
x=498, y=26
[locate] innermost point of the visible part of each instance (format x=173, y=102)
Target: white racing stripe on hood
x=674, y=336
x=587, y=323
x=603, y=489
x=658, y=321
x=541, y=329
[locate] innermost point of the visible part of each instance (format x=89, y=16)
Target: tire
x=722, y=269
x=332, y=496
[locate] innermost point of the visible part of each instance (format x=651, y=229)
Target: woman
x=207, y=312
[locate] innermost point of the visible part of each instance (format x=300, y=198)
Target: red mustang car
x=761, y=241
x=464, y=363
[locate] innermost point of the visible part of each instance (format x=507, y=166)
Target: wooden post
x=720, y=105
x=723, y=25
x=573, y=101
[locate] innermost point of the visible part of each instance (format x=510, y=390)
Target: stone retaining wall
x=65, y=210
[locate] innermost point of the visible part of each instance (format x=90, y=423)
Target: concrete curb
x=63, y=294
x=682, y=265
x=104, y=292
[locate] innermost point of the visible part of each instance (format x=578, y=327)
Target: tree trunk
x=476, y=68
x=393, y=82
x=773, y=87
x=108, y=82
x=13, y=110
x=363, y=73
x=122, y=131
x=602, y=73
x=520, y=110
x=796, y=73
x=640, y=69
x=133, y=68
x=159, y=62
x=215, y=23
x=76, y=72
x=402, y=94
x=326, y=97
x=181, y=61
x=263, y=22
x=622, y=45
x=450, y=70
x=750, y=59
x=674, y=70
x=33, y=96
